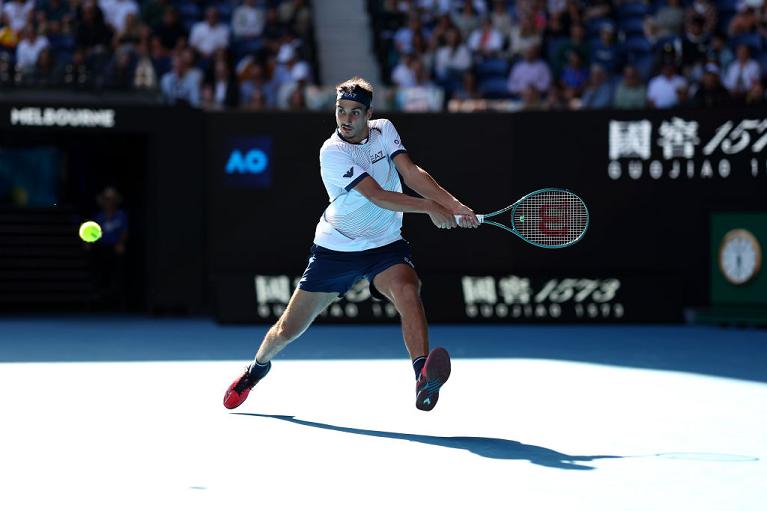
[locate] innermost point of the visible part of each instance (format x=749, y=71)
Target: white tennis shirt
x=351, y=222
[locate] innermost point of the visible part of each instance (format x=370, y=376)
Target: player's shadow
x=496, y=448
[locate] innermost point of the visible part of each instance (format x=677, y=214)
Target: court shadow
x=495, y=448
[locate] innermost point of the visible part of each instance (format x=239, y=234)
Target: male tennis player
x=358, y=237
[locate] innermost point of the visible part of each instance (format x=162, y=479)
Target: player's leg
x=401, y=285
x=303, y=308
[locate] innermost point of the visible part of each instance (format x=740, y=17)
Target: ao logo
x=254, y=161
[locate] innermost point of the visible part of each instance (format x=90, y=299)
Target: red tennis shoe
x=238, y=391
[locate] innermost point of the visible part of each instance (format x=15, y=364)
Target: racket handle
x=480, y=218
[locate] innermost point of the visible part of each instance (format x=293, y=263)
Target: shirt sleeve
x=338, y=169
x=391, y=140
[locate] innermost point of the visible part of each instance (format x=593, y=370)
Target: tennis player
x=358, y=237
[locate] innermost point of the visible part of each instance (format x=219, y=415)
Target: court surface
x=126, y=413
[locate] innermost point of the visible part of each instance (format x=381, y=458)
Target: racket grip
x=480, y=218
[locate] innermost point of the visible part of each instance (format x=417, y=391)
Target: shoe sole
x=437, y=369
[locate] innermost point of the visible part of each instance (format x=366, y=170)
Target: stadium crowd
x=573, y=54
x=462, y=55
x=250, y=54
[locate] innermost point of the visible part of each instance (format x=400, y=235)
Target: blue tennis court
x=126, y=413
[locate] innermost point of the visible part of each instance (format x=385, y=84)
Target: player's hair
x=353, y=83
x=357, y=89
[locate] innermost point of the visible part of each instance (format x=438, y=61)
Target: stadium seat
x=492, y=68
x=638, y=45
x=494, y=88
x=632, y=10
x=753, y=40
x=631, y=26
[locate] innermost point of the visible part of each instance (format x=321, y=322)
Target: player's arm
x=426, y=186
x=396, y=201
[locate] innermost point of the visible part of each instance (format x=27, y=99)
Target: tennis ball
x=90, y=231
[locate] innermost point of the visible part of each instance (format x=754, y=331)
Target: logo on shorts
x=350, y=173
x=408, y=261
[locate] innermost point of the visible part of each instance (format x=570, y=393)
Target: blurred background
x=190, y=131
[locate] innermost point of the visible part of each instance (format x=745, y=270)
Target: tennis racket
x=546, y=218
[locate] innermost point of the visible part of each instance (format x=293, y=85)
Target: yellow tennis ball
x=90, y=231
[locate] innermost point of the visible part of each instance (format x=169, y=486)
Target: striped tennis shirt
x=351, y=222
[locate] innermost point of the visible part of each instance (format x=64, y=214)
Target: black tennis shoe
x=434, y=374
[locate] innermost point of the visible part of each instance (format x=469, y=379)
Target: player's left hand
x=468, y=219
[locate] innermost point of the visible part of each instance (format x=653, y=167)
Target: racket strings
x=551, y=218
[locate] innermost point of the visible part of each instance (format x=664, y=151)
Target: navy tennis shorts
x=331, y=271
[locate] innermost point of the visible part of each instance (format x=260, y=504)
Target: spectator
x=574, y=76
x=745, y=20
x=694, y=44
x=468, y=88
x=248, y=20
x=501, y=18
x=486, y=41
x=119, y=74
x=711, y=93
x=222, y=90
x=117, y=11
x=291, y=72
x=467, y=19
x=181, y=86
x=109, y=251
x=403, y=38
x=43, y=74
x=720, y=52
x=297, y=99
x=668, y=21
x=29, y=49
x=742, y=73
x=57, y=15
x=17, y=13
x=705, y=10
x=131, y=33
x=453, y=59
x=530, y=72
x=257, y=101
x=403, y=74
x=252, y=80
x=152, y=12
x=171, y=32
x=531, y=99
x=9, y=39
x=755, y=97
x=75, y=73
x=577, y=43
x=93, y=35
x=144, y=76
x=605, y=52
x=209, y=35
x=599, y=91
x=662, y=90
x=296, y=15
x=631, y=93
x=523, y=37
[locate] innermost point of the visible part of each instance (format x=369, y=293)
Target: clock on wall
x=740, y=256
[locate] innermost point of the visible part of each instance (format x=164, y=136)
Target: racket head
x=550, y=218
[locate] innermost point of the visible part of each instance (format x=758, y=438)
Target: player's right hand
x=442, y=217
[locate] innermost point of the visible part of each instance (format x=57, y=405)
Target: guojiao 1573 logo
x=247, y=162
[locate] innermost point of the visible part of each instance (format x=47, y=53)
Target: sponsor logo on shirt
x=350, y=173
x=377, y=156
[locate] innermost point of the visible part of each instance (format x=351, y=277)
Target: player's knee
x=407, y=290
